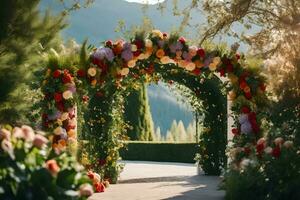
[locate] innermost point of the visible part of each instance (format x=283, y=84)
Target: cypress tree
x=138, y=115
x=24, y=36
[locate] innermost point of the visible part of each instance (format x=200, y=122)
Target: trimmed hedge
x=159, y=151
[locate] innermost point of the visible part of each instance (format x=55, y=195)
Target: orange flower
x=199, y=64
x=160, y=53
x=93, y=82
x=53, y=167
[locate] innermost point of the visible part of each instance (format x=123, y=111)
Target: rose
x=235, y=131
x=131, y=63
x=245, y=109
x=268, y=150
x=5, y=134
x=56, y=73
x=59, y=130
x=67, y=94
x=278, y=141
x=39, y=141
x=201, y=53
x=160, y=53
x=86, y=190
x=81, y=73
x=67, y=78
x=7, y=147
x=28, y=133
x=288, y=144
x=99, y=187
x=92, y=71
x=276, y=152
x=52, y=167
x=57, y=97
x=182, y=40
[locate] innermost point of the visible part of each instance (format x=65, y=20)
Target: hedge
x=159, y=151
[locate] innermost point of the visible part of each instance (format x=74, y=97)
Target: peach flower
x=160, y=53
x=67, y=94
x=131, y=63
x=124, y=71
x=92, y=71
x=28, y=133
x=52, y=167
x=5, y=134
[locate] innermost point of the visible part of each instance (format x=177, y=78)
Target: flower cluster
x=60, y=89
x=29, y=163
x=98, y=183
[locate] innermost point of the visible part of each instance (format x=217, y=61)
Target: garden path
x=143, y=180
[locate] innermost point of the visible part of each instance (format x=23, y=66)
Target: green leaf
x=66, y=178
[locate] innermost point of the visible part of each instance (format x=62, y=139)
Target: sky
x=146, y=1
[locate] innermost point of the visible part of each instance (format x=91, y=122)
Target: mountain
x=165, y=108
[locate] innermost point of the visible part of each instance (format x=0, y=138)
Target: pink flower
x=5, y=134
x=86, y=190
x=17, y=133
x=28, y=133
x=39, y=141
x=278, y=141
x=8, y=148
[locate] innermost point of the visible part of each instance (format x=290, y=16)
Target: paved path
x=158, y=181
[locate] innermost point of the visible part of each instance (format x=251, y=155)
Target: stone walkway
x=158, y=181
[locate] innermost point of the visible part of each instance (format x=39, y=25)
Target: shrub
x=29, y=169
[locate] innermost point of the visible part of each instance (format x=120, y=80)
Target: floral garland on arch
x=119, y=62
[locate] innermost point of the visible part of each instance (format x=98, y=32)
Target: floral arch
x=99, y=77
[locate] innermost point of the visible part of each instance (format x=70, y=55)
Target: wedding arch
x=100, y=77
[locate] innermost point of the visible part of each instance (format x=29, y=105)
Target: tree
x=138, y=115
x=24, y=35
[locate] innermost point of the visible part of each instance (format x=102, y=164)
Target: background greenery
x=159, y=151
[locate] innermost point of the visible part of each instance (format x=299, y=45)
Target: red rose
x=81, y=73
x=245, y=109
x=254, y=126
x=60, y=106
x=235, y=131
x=139, y=44
x=165, y=35
x=276, y=152
x=56, y=73
x=182, y=40
x=243, y=84
x=222, y=72
x=101, y=162
x=252, y=116
x=248, y=95
x=247, y=150
x=57, y=97
x=260, y=147
x=197, y=71
x=99, y=187
x=70, y=127
x=201, y=53
x=237, y=56
x=108, y=43
x=90, y=174
x=137, y=53
x=67, y=78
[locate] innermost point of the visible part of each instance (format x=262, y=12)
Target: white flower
x=148, y=43
x=133, y=47
x=97, y=178
x=67, y=94
x=288, y=144
x=268, y=150
x=92, y=71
